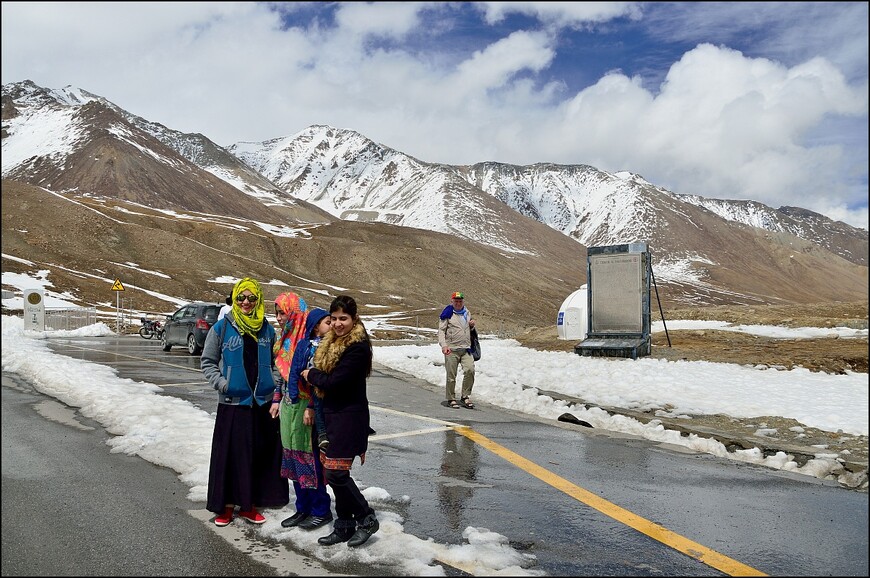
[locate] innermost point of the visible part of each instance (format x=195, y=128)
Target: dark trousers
x=350, y=504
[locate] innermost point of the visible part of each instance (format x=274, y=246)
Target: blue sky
x=765, y=101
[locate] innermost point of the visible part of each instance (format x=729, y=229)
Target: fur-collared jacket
x=341, y=367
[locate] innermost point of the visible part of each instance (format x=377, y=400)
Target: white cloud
x=493, y=67
x=561, y=13
x=723, y=126
x=768, y=102
x=393, y=19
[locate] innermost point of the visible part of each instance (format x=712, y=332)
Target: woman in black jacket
x=341, y=365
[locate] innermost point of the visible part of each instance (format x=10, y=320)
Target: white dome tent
x=573, y=320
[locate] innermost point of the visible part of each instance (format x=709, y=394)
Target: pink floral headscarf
x=292, y=332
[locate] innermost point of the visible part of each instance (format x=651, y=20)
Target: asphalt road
x=582, y=502
x=70, y=508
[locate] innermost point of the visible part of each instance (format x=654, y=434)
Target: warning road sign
x=116, y=286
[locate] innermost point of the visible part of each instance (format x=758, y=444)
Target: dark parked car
x=189, y=325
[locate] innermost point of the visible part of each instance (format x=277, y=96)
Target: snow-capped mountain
x=592, y=206
x=353, y=178
x=835, y=236
x=73, y=140
x=600, y=208
x=704, y=251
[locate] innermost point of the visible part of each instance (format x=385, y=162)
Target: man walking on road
x=454, y=337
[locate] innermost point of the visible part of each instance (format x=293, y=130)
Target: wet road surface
x=583, y=502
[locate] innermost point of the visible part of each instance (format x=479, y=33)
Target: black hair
x=229, y=300
x=347, y=304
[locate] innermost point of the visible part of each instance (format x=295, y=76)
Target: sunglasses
x=250, y=298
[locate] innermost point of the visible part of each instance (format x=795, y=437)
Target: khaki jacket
x=454, y=332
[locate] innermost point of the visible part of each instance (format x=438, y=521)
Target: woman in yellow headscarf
x=237, y=360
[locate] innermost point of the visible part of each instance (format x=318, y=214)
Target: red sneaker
x=253, y=517
x=225, y=518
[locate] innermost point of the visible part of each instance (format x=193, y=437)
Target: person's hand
x=471, y=322
x=362, y=458
x=304, y=374
x=273, y=410
x=308, y=416
x=445, y=350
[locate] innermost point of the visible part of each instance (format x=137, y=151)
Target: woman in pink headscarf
x=299, y=462
x=291, y=312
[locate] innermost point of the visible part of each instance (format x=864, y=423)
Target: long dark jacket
x=345, y=404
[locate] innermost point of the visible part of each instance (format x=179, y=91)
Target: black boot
x=341, y=532
x=367, y=526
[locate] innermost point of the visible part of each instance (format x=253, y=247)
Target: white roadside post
x=34, y=310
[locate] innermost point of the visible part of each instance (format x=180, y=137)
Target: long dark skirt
x=245, y=468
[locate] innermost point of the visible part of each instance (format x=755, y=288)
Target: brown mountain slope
x=736, y=263
x=84, y=243
x=396, y=269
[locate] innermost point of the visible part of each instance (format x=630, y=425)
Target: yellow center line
x=667, y=537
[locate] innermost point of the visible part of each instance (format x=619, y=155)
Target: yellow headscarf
x=249, y=324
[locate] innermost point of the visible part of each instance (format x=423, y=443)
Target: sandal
x=466, y=402
x=452, y=404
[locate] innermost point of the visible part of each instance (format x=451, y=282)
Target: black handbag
x=475, y=345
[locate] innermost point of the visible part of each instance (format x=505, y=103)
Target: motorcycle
x=150, y=328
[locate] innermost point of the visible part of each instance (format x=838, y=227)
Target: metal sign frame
x=618, y=277
x=618, y=301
